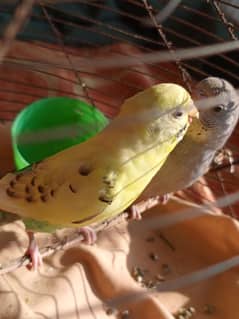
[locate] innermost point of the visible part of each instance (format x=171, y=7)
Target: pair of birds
x=100, y=178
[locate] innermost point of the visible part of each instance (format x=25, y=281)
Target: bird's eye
x=202, y=93
x=178, y=114
x=218, y=108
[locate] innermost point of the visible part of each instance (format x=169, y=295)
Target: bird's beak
x=193, y=113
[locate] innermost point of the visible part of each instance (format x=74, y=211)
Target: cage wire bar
x=179, y=35
x=49, y=7
x=62, y=21
x=165, y=36
x=66, y=32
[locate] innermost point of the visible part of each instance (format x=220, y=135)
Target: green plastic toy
x=50, y=125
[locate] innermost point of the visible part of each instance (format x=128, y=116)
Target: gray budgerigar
x=193, y=155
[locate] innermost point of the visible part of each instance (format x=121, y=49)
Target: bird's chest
x=140, y=166
x=198, y=157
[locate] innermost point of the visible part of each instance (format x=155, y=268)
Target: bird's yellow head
x=166, y=107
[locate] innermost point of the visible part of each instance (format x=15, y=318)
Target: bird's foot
x=225, y=156
x=89, y=235
x=33, y=253
x=136, y=210
x=163, y=199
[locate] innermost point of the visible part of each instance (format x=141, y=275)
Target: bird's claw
x=33, y=253
x=89, y=235
x=163, y=199
x=136, y=210
x=225, y=156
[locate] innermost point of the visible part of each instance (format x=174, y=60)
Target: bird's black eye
x=178, y=114
x=202, y=93
x=218, y=108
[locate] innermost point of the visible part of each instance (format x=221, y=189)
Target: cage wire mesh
x=49, y=48
x=56, y=38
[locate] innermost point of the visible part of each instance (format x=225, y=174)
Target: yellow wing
x=70, y=191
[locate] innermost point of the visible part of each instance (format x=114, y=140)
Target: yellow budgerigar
x=98, y=179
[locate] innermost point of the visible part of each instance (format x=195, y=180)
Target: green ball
x=50, y=125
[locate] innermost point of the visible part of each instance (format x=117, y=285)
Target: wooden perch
x=76, y=238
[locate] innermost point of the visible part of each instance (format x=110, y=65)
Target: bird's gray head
x=222, y=114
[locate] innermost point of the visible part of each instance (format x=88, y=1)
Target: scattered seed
x=192, y=309
x=150, y=284
x=165, y=269
x=188, y=313
x=159, y=278
x=109, y=311
x=209, y=309
x=124, y=314
x=154, y=256
x=52, y=192
x=150, y=239
x=138, y=274
x=182, y=311
x=166, y=241
x=145, y=271
x=185, y=313
x=137, y=271
x=139, y=278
